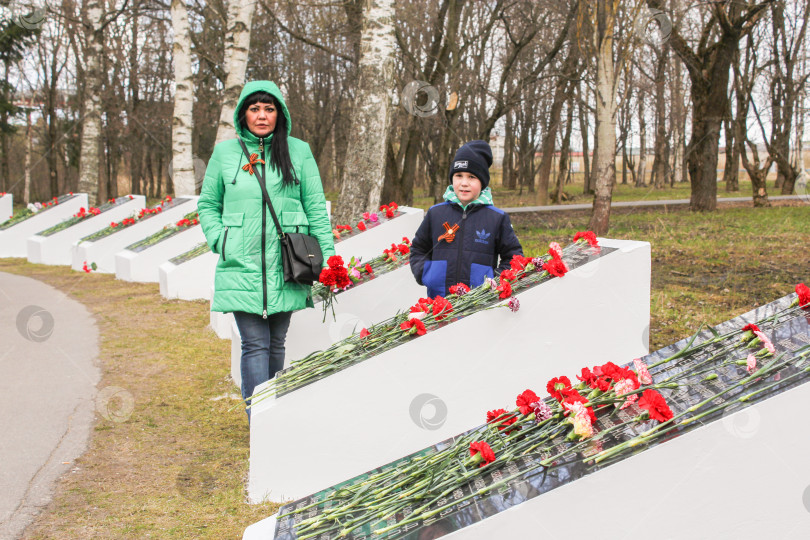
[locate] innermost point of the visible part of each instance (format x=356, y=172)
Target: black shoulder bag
x=301, y=254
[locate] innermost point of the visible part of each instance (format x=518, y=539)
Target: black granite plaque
x=710, y=374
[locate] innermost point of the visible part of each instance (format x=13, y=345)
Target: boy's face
x=467, y=187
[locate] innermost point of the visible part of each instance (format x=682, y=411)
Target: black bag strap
x=265, y=195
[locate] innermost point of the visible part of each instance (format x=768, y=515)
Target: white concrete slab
x=236, y=354
x=371, y=242
x=143, y=265
x=263, y=530
x=453, y=365
x=189, y=280
x=6, y=207
x=57, y=248
x=13, y=241
x=102, y=251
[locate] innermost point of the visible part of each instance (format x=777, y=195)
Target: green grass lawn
x=177, y=467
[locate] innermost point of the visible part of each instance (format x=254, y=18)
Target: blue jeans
x=262, y=348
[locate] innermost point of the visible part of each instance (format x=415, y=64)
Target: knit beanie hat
x=474, y=157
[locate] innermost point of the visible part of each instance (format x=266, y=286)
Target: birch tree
x=90, y=159
x=237, y=45
x=182, y=165
x=363, y=173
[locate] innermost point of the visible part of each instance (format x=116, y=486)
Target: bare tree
x=182, y=154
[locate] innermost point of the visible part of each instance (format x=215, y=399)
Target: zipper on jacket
x=224, y=239
x=460, y=244
x=264, y=239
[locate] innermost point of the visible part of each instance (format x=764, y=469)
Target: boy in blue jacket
x=464, y=239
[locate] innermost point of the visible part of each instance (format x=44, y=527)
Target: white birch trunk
x=364, y=170
x=182, y=165
x=89, y=160
x=237, y=44
x=605, y=159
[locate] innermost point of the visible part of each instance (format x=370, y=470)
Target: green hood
x=484, y=198
x=250, y=88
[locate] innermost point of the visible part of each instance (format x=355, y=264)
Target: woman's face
x=261, y=118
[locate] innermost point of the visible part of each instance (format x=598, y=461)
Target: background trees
x=565, y=88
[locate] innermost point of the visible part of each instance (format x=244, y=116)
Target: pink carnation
x=751, y=364
x=642, y=371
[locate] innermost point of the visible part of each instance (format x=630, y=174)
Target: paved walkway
x=638, y=204
x=48, y=377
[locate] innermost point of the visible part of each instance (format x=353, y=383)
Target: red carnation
x=389, y=213
x=341, y=277
x=414, y=326
x=524, y=401
x=361, y=226
x=588, y=236
x=393, y=205
x=406, y=241
x=369, y=270
x=656, y=405
x=519, y=262
x=492, y=416
x=364, y=333
x=402, y=248
x=804, y=295
x=505, y=289
x=441, y=308
x=556, y=385
x=327, y=277
x=752, y=327
x=587, y=377
x=487, y=456
x=459, y=289
x=508, y=275
x=555, y=267
x=334, y=261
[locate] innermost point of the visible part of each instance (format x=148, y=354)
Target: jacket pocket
x=434, y=275
x=231, y=245
x=294, y=222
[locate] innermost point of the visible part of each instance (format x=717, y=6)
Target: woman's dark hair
x=279, y=150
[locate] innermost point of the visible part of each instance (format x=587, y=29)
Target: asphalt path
x=48, y=377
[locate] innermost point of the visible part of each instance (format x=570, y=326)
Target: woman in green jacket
x=238, y=227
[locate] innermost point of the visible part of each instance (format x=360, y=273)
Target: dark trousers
x=262, y=348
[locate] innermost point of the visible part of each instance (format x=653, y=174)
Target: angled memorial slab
x=221, y=323
x=378, y=236
x=54, y=245
x=190, y=275
x=100, y=248
x=359, y=307
x=728, y=461
x=14, y=233
x=460, y=368
x=140, y=261
x=6, y=207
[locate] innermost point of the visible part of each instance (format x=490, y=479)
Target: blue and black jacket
x=483, y=245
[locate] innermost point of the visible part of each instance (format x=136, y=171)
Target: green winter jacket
x=230, y=208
